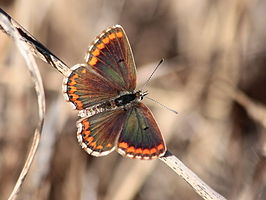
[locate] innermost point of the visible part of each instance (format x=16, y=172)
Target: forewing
x=98, y=134
x=110, y=55
x=83, y=87
x=141, y=137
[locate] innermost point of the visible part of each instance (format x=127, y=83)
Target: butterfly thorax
x=122, y=101
x=128, y=98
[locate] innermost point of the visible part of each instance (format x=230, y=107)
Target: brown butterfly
x=103, y=90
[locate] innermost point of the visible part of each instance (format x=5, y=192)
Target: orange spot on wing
x=96, y=52
x=109, y=145
x=74, y=96
x=138, y=151
x=153, y=150
x=85, y=137
x=119, y=34
x=99, y=147
x=90, y=139
x=100, y=46
x=160, y=147
x=112, y=36
x=106, y=40
x=72, y=89
x=123, y=145
x=93, y=144
x=72, y=82
x=79, y=104
x=87, y=133
x=131, y=149
x=86, y=125
x=146, y=151
x=74, y=76
x=93, y=61
x=83, y=71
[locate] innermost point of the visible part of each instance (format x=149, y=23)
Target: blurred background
x=214, y=75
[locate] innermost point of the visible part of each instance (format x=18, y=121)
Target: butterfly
x=103, y=90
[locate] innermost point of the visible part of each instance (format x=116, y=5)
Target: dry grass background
x=214, y=76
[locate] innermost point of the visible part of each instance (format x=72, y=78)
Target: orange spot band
x=72, y=82
x=96, y=52
x=99, y=147
x=138, y=151
x=72, y=89
x=146, y=151
x=106, y=40
x=74, y=76
x=100, y=46
x=74, y=96
x=153, y=150
x=93, y=144
x=160, y=147
x=86, y=125
x=109, y=145
x=123, y=145
x=79, y=104
x=89, y=139
x=112, y=36
x=131, y=149
x=93, y=61
x=87, y=133
x=119, y=34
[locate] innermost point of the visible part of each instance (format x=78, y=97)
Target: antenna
x=145, y=93
x=160, y=62
x=162, y=105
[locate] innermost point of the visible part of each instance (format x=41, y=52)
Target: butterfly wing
x=110, y=55
x=141, y=137
x=98, y=134
x=134, y=132
x=110, y=70
x=84, y=87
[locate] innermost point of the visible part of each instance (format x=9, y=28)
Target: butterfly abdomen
x=93, y=110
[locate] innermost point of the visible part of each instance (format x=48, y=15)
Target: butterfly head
x=141, y=94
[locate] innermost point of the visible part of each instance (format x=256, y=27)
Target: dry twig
x=192, y=179
x=7, y=25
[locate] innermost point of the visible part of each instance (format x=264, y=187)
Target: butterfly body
x=103, y=90
x=122, y=101
x=126, y=99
